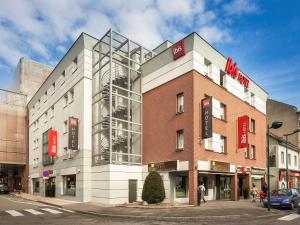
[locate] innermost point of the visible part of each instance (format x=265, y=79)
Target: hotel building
x=112, y=110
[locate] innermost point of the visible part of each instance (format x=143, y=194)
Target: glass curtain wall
x=117, y=100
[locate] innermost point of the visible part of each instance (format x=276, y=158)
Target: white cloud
x=214, y=34
x=175, y=7
x=239, y=7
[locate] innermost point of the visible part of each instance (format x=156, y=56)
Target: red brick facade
x=160, y=123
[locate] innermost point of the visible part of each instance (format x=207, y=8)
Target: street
x=14, y=211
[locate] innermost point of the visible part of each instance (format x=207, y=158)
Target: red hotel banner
x=206, y=117
x=178, y=49
x=52, y=143
x=243, y=127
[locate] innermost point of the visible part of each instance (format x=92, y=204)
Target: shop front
x=49, y=183
x=218, y=180
x=243, y=187
x=258, y=177
x=294, y=179
x=13, y=176
x=176, y=179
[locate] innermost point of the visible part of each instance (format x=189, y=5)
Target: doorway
x=223, y=184
x=132, y=188
x=50, y=187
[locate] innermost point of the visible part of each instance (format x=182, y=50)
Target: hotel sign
x=220, y=166
x=163, y=166
x=52, y=143
x=243, y=127
x=232, y=69
x=206, y=105
x=73, y=133
x=178, y=49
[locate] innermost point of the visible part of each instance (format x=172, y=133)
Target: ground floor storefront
x=294, y=179
x=222, y=181
x=14, y=176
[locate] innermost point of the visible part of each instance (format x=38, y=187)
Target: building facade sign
x=220, y=166
x=257, y=171
x=163, y=166
x=52, y=143
x=73, y=133
x=232, y=69
x=178, y=49
x=243, y=127
x=206, y=105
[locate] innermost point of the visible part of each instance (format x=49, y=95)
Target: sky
x=262, y=36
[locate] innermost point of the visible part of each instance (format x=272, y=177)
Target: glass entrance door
x=225, y=188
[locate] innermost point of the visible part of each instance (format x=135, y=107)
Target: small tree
x=153, y=190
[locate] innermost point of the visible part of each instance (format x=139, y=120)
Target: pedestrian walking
x=254, y=193
x=201, y=193
x=265, y=188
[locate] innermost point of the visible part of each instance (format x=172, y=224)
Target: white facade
x=293, y=162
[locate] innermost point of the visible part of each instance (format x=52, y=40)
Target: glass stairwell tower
x=117, y=100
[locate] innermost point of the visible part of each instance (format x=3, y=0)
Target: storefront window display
x=70, y=185
x=181, y=183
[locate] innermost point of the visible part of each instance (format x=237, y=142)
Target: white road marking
x=66, y=210
x=14, y=213
x=290, y=217
x=34, y=212
x=51, y=210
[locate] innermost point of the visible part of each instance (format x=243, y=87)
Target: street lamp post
x=275, y=125
x=286, y=156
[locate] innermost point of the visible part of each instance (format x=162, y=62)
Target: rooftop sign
x=232, y=69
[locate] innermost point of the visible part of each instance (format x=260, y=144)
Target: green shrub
x=153, y=190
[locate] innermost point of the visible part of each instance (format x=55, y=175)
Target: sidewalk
x=212, y=210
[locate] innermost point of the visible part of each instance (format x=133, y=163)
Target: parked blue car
x=283, y=198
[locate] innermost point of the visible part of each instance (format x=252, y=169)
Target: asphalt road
x=16, y=211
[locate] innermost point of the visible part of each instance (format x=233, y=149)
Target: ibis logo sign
x=232, y=69
x=178, y=49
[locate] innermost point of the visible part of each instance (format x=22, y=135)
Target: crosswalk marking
x=14, y=213
x=289, y=217
x=66, y=210
x=51, y=210
x=34, y=212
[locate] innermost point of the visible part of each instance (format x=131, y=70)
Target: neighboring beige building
x=288, y=114
x=14, y=127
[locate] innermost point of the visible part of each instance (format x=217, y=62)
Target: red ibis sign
x=52, y=143
x=178, y=49
x=232, y=69
x=243, y=126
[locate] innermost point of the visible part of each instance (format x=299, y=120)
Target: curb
x=179, y=218
x=47, y=203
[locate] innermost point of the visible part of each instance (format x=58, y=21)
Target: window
x=39, y=104
x=32, y=110
x=295, y=161
x=37, y=124
x=65, y=100
x=247, y=153
x=63, y=76
x=74, y=65
x=252, y=152
x=208, y=143
x=65, y=127
x=37, y=143
x=252, y=125
x=252, y=99
x=180, y=140
x=71, y=95
x=222, y=78
x=53, y=87
x=47, y=160
x=181, y=185
x=70, y=185
x=289, y=158
x=208, y=68
x=36, y=185
x=45, y=96
x=222, y=111
x=51, y=111
x=46, y=117
x=180, y=103
x=282, y=157
x=223, y=144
